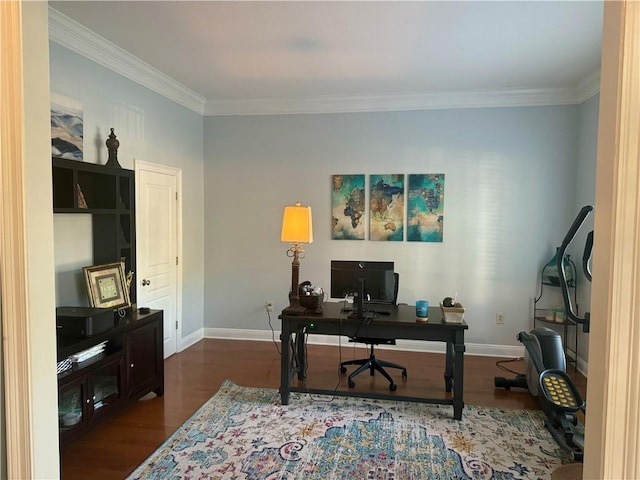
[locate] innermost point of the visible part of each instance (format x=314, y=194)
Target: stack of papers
x=64, y=365
x=88, y=353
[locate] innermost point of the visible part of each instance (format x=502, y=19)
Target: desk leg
x=285, y=363
x=458, y=379
x=301, y=340
x=448, y=367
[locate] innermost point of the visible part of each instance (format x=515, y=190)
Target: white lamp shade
x=297, y=226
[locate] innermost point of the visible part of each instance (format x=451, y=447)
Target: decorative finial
x=112, y=145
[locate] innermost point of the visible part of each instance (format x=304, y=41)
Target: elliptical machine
x=545, y=364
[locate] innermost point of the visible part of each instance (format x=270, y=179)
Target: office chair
x=372, y=363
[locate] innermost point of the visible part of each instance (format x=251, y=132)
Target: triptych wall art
x=423, y=218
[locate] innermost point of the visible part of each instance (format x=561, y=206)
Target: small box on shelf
x=312, y=303
x=452, y=314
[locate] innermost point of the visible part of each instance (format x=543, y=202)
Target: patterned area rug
x=244, y=433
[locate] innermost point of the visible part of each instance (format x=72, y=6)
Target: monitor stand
x=358, y=301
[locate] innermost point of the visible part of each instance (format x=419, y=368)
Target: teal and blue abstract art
x=425, y=210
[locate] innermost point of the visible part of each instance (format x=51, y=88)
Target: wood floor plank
x=116, y=447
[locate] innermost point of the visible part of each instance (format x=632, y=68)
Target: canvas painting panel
x=425, y=210
x=347, y=207
x=66, y=127
x=386, y=203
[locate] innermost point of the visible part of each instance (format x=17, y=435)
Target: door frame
x=612, y=422
x=176, y=172
x=17, y=402
x=22, y=461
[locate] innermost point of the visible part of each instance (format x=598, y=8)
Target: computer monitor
x=369, y=282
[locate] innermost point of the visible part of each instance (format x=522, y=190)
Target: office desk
x=400, y=324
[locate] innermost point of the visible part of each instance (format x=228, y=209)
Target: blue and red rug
x=244, y=433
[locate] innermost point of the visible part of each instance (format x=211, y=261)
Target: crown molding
x=79, y=39
x=388, y=103
x=588, y=87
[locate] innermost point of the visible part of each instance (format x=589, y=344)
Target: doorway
x=158, y=245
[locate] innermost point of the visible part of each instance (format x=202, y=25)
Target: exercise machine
x=545, y=364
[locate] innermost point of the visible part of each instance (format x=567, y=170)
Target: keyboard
x=378, y=311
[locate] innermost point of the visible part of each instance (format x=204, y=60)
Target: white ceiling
x=278, y=57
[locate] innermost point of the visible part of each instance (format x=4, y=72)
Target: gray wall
x=514, y=180
x=150, y=128
x=510, y=195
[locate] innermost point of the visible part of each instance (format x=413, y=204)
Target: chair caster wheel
x=404, y=374
x=343, y=369
x=351, y=383
x=393, y=387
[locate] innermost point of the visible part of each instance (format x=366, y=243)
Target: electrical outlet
x=269, y=305
x=499, y=318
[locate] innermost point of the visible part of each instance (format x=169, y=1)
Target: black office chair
x=372, y=363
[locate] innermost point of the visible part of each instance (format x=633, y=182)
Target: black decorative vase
x=112, y=145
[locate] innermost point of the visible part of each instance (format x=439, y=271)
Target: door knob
x=145, y=282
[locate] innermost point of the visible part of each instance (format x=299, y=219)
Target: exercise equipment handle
x=564, y=285
x=586, y=256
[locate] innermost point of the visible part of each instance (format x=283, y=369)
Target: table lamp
x=297, y=228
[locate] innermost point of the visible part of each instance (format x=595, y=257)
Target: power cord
x=368, y=317
x=302, y=337
x=314, y=398
x=306, y=361
x=273, y=333
x=500, y=365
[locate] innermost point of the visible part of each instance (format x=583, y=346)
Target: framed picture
x=66, y=127
x=106, y=286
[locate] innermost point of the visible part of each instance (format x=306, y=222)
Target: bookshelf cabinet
x=108, y=195
x=131, y=364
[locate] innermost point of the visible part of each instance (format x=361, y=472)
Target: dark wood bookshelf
x=109, y=196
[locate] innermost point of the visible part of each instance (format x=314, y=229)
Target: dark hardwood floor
x=116, y=447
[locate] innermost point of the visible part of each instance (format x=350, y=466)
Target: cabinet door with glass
x=106, y=387
x=73, y=411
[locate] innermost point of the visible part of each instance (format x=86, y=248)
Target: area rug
x=244, y=433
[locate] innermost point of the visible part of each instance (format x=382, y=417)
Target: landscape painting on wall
x=386, y=203
x=66, y=127
x=425, y=211
x=347, y=207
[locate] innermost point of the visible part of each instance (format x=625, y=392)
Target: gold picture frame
x=106, y=286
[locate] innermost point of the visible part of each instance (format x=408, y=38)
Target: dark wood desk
x=399, y=324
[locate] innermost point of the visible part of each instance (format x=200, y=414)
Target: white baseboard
x=484, y=350
x=333, y=340
x=192, y=339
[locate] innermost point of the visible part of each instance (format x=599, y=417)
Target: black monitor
x=369, y=282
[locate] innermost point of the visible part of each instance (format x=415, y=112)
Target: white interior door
x=157, y=234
